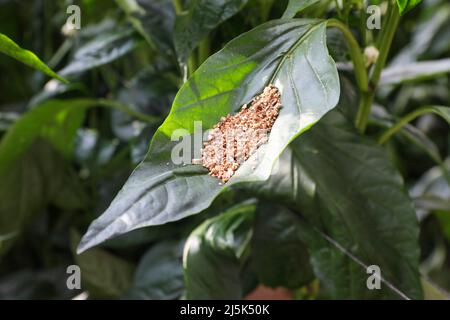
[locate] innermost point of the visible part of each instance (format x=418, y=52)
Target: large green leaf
x=177, y=229
x=290, y=54
x=347, y=190
x=201, y=17
x=280, y=258
x=216, y=252
x=10, y=48
x=159, y=275
x=406, y=5
x=295, y=6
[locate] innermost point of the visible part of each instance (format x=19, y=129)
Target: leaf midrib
x=291, y=50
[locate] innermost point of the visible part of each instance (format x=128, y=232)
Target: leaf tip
x=82, y=246
x=63, y=80
x=90, y=239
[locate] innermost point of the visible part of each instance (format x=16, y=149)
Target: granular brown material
x=236, y=137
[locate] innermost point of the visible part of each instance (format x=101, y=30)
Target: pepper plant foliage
x=332, y=192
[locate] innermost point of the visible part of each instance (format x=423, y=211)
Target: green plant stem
x=178, y=6
x=264, y=10
x=204, y=50
x=355, y=54
x=404, y=121
x=192, y=64
x=192, y=61
x=338, y=9
x=362, y=24
x=60, y=53
x=384, y=45
x=364, y=107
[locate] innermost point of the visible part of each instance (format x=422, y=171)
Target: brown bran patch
x=236, y=137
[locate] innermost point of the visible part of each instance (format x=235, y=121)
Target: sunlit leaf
x=406, y=5
x=10, y=48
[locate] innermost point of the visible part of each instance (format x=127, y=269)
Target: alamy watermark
x=73, y=281
x=73, y=22
x=374, y=280
x=374, y=19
